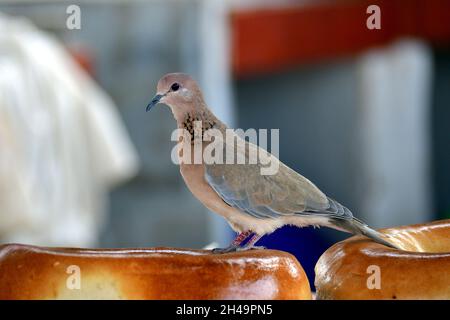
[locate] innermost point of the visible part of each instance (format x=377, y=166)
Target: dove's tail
x=356, y=226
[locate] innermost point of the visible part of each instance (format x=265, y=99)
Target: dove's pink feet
x=236, y=244
x=254, y=239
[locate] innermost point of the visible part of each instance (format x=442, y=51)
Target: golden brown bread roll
x=28, y=272
x=348, y=270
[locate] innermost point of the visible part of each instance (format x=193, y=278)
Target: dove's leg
x=251, y=243
x=235, y=244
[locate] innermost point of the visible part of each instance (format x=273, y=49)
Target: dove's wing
x=269, y=196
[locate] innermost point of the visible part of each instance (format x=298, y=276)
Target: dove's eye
x=175, y=87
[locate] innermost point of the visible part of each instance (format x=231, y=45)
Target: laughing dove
x=253, y=203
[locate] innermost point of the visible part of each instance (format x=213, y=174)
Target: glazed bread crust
x=28, y=272
x=422, y=271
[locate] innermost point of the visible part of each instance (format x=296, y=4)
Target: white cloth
x=62, y=144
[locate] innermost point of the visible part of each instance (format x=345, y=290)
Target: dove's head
x=180, y=92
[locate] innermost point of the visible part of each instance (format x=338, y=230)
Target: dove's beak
x=156, y=99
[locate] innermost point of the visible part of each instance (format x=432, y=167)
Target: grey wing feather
x=335, y=210
x=271, y=196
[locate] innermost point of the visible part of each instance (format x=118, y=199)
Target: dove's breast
x=194, y=177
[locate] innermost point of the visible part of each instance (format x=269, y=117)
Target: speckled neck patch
x=189, y=124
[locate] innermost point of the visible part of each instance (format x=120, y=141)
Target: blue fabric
x=306, y=244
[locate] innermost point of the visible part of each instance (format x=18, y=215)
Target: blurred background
x=362, y=112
